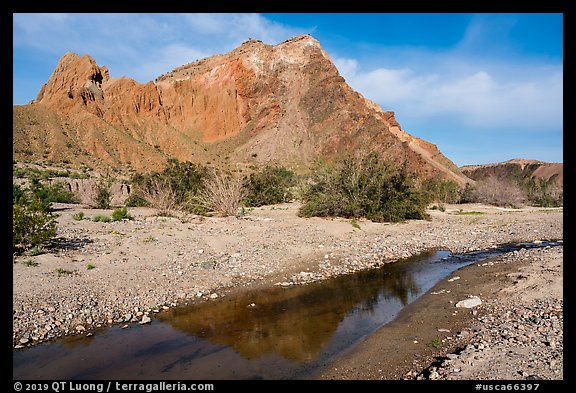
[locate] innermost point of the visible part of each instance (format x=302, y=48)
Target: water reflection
x=288, y=333
x=295, y=323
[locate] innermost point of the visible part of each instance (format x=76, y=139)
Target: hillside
x=553, y=172
x=257, y=104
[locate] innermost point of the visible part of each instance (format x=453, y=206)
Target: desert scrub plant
x=63, y=272
x=269, y=186
x=121, y=214
x=435, y=343
x=101, y=195
x=30, y=263
x=222, y=193
x=78, y=216
x=500, y=191
x=90, y=266
x=441, y=191
x=160, y=194
x=136, y=200
x=354, y=187
x=50, y=193
x=175, y=188
x=36, y=250
x=33, y=224
x=101, y=218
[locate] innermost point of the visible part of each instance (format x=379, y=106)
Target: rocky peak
x=258, y=103
x=76, y=81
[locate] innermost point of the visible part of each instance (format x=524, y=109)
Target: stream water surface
x=275, y=333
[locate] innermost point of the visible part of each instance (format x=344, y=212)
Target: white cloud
x=485, y=96
x=142, y=46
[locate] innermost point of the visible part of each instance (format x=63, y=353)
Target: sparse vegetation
x=222, y=193
x=78, y=216
x=435, y=343
x=63, y=272
x=499, y=191
x=514, y=191
x=101, y=195
x=176, y=187
x=101, y=218
x=32, y=223
x=36, y=250
x=121, y=214
x=30, y=263
x=90, y=266
x=472, y=212
x=136, y=200
x=45, y=174
x=48, y=194
x=364, y=187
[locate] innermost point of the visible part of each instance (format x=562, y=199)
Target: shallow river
x=277, y=333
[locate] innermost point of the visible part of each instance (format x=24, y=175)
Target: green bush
x=102, y=196
x=101, y=218
x=136, y=200
x=32, y=224
x=176, y=187
x=269, y=186
x=540, y=192
x=78, y=216
x=442, y=191
x=17, y=192
x=121, y=214
x=48, y=194
x=364, y=187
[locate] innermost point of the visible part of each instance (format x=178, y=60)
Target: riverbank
x=516, y=333
x=97, y=274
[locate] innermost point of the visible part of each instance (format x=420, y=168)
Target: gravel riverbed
x=97, y=274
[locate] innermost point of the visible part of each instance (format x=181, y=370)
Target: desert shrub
x=121, y=214
x=17, y=192
x=541, y=193
x=101, y=218
x=468, y=194
x=500, y=191
x=32, y=223
x=442, y=191
x=269, y=186
x=78, y=216
x=364, y=187
x=55, y=193
x=136, y=200
x=222, y=193
x=101, y=194
x=175, y=188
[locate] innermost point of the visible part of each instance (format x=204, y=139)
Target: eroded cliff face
x=256, y=104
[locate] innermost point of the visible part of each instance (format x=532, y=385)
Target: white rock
x=213, y=296
x=469, y=303
x=145, y=319
x=454, y=279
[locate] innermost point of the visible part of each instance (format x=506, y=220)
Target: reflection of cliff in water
x=294, y=323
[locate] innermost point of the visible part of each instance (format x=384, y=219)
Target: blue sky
x=482, y=87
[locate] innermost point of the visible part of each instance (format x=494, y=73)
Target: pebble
x=145, y=319
x=469, y=303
